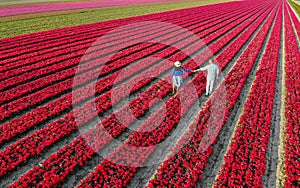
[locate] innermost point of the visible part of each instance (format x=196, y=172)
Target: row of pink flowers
x=186, y=167
x=245, y=162
x=292, y=102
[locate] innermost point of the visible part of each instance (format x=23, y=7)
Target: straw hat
x=177, y=64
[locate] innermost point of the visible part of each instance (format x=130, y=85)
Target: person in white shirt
x=212, y=74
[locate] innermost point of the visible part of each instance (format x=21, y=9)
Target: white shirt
x=212, y=71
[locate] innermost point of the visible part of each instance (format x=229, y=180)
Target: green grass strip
x=37, y=24
x=295, y=6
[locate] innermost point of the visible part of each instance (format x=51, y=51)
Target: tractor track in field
x=272, y=159
x=220, y=148
x=33, y=161
x=144, y=174
x=280, y=175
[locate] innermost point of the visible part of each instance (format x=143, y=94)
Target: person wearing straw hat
x=177, y=76
x=212, y=74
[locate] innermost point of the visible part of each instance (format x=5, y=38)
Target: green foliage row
x=295, y=6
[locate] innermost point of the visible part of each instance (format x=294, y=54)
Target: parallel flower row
x=292, y=104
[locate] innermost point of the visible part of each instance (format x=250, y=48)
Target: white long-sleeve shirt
x=212, y=71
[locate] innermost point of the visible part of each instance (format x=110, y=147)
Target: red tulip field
x=92, y=105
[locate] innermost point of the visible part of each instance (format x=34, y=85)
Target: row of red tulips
x=238, y=24
x=38, y=50
x=192, y=159
x=70, y=34
x=245, y=161
x=25, y=57
x=220, y=47
x=292, y=104
x=43, y=95
x=227, y=38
